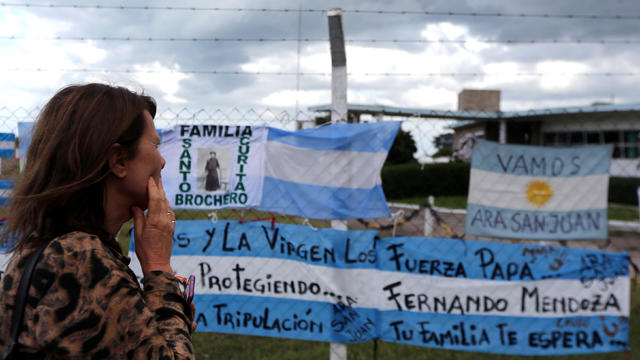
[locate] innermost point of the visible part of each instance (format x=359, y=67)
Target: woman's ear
x=117, y=158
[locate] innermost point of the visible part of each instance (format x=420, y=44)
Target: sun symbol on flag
x=539, y=192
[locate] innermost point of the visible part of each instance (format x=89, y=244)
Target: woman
x=212, y=168
x=93, y=164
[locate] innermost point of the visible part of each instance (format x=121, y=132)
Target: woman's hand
x=154, y=234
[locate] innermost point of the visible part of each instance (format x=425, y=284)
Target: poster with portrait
x=213, y=166
x=213, y=169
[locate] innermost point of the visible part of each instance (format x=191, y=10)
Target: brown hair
x=61, y=188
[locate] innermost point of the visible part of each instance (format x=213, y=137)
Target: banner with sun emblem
x=534, y=192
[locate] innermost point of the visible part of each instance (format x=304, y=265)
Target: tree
x=402, y=149
x=443, y=144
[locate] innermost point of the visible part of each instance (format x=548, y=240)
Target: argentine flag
x=328, y=172
x=543, y=193
x=7, y=151
x=7, y=145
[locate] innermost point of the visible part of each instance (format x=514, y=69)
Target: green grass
x=224, y=346
x=615, y=211
x=624, y=213
x=450, y=202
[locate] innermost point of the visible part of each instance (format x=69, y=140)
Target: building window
x=626, y=144
x=630, y=144
x=562, y=139
x=576, y=138
x=611, y=137
x=593, y=137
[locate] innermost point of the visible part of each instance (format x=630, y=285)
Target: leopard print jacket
x=85, y=303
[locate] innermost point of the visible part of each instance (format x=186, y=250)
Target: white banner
x=218, y=166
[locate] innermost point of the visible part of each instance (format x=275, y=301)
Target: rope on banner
x=375, y=226
x=396, y=218
x=308, y=223
x=443, y=225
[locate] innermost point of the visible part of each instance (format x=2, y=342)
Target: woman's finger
x=167, y=204
x=156, y=200
x=161, y=188
x=166, y=201
x=138, y=222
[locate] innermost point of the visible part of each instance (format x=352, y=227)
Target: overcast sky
x=162, y=68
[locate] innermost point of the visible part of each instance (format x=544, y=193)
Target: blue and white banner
x=7, y=145
x=352, y=286
x=7, y=151
x=330, y=172
x=542, y=193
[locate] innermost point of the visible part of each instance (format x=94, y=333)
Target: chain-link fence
x=426, y=179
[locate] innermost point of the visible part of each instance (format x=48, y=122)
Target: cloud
x=306, y=98
x=559, y=74
x=174, y=87
x=165, y=79
x=431, y=97
x=27, y=64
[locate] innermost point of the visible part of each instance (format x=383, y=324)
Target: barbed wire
x=293, y=73
x=407, y=41
x=355, y=11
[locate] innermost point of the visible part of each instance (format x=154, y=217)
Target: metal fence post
x=339, y=113
x=338, y=351
x=429, y=221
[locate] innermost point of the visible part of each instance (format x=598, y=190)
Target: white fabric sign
x=219, y=166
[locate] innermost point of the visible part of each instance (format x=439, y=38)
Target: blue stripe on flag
x=531, y=336
x=400, y=254
x=485, y=260
x=320, y=321
x=365, y=137
x=322, y=202
x=6, y=184
x=7, y=153
x=7, y=137
x=3, y=201
x=541, y=161
x=285, y=318
x=539, y=225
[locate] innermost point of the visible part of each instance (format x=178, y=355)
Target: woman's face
x=145, y=164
